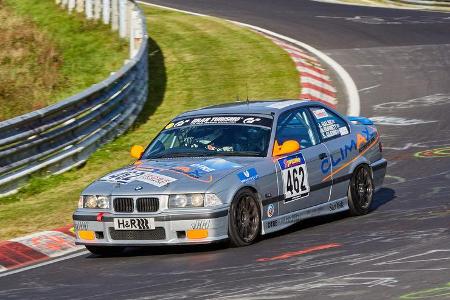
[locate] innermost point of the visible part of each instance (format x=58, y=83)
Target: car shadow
x=157, y=83
x=381, y=197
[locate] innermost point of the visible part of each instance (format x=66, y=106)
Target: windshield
x=212, y=136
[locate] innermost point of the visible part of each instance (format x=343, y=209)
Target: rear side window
x=330, y=125
x=296, y=125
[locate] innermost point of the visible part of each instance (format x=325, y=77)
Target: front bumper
x=170, y=229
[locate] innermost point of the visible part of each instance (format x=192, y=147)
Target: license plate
x=134, y=223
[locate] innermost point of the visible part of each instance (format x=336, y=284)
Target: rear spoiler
x=360, y=120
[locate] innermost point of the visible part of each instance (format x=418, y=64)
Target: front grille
x=147, y=204
x=131, y=235
x=123, y=204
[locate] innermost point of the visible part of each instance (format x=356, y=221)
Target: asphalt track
x=400, y=61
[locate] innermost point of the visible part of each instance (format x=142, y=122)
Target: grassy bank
x=193, y=61
x=47, y=55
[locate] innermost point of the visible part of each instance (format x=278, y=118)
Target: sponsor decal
x=319, y=113
x=329, y=128
x=201, y=224
x=225, y=119
x=198, y=170
x=343, y=131
x=131, y=175
x=134, y=223
x=270, y=210
x=360, y=143
x=80, y=225
x=295, y=176
x=248, y=175
x=273, y=223
x=251, y=120
x=123, y=176
x=291, y=161
x=336, y=205
x=155, y=179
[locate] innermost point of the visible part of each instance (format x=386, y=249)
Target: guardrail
x=59, y=137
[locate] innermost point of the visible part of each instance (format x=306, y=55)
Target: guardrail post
x=136, y=33
x=106, y=11
x=97, y=9
x=71, y=5
x=80, y=6
x=122, y=18
x=114, y=15
x=89, y=9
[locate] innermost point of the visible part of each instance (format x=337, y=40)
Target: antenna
x=246, y=90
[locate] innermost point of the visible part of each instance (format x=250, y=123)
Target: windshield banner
x=222, y=119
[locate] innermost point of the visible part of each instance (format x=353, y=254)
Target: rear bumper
x=169, y=229
x=379, y=172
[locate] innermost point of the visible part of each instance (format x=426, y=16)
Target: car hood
x=167, y=176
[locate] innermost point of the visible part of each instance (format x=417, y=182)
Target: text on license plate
x=134, y=223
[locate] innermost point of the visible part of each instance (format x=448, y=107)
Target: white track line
x=349, y=85
x=45, y=263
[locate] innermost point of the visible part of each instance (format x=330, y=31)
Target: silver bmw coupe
x=234, y=172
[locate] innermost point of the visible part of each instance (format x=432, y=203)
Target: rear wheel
x=105, y=250
x=360, y=193
x=245, y=220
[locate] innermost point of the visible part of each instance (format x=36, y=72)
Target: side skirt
x=281, y=222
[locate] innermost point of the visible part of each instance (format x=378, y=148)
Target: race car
x=234, y=172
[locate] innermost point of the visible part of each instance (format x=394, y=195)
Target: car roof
x=266, y=107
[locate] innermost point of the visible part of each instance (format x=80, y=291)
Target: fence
x=59, y=137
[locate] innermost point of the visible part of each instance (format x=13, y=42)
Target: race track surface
x=400, y=61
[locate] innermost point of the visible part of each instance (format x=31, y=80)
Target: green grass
x=194, y=62
x=48, y=55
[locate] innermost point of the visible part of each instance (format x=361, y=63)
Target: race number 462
x=295, y=181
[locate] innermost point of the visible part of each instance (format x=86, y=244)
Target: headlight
x=193, y=200
x=91, y=201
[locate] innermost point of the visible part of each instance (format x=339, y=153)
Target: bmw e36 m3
x=235, y=172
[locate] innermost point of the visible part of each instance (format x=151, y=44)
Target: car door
x=335, y=134
x=299, y=173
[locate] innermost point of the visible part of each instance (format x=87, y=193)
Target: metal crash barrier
x=59, y=137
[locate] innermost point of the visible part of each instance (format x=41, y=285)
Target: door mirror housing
x=137, y=151
x=287, y=147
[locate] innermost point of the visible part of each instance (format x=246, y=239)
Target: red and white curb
x=37, y=247
x=315, y=83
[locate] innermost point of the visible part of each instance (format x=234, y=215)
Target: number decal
x=295, y=177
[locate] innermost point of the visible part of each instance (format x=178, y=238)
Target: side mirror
x=287, y=147
x=137, y=151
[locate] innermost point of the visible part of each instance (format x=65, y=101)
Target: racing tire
x=244, y=223
x=106, y=251
x=360, y=191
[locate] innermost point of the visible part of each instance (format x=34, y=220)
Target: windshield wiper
x=240, y=153
x=183, y=154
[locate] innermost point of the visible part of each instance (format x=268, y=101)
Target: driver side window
x=296, y=125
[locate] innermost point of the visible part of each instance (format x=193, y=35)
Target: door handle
x=322, y=155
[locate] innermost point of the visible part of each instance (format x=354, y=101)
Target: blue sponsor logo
x=291, y=161
x=248, y=175
x=198, y=170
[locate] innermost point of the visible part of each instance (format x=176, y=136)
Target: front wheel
x=105, y=250
x=360, y=193
x=245, y=220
